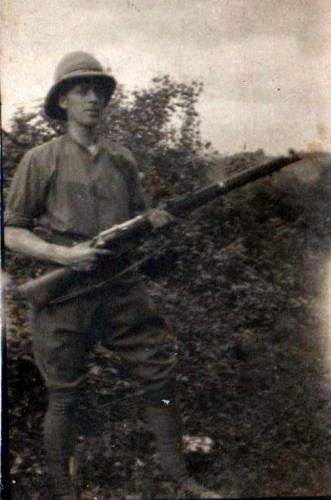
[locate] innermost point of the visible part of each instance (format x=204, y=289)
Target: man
x=73, y=187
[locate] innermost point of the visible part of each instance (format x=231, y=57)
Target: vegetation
x=240, y=282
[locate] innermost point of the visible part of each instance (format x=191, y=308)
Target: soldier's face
x=84, y=103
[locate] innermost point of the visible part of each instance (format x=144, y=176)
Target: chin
x=91, y=122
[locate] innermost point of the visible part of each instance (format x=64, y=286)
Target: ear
x=63, y=101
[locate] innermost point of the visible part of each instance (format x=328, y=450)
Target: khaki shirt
x=62, y=187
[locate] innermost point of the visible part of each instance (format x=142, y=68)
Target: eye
x=82, y=88
x=86, y=87
x=98, y=89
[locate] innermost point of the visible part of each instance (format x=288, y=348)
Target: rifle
x=50, y=287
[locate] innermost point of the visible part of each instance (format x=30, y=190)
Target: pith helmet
x=75, y=66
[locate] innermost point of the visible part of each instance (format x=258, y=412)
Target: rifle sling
x=96, y=286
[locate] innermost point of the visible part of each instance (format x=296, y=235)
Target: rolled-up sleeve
x=27, y=193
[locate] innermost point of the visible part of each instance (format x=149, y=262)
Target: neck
x=86, y=136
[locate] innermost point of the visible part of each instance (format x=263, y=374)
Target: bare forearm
x=81, y=257
x=28, y=244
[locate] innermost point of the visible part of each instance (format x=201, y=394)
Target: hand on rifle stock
x=84, y=256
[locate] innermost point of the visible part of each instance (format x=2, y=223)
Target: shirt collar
x=93, y=152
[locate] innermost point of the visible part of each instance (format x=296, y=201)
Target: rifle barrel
x=235, y=181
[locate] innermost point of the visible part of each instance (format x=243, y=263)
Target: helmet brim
x=51, y=105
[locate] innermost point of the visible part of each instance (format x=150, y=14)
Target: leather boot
x=165, y=422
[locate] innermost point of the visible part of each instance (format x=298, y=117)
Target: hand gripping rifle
x=49, y=288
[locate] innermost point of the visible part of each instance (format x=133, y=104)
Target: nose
x=93, y=95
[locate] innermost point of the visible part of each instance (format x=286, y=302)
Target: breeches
x=123, y=318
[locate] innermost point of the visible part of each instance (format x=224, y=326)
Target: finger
x=83, y=245
x=101, y=251
x=101, y=244
x=81, y=268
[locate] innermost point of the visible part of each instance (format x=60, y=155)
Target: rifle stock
x=41, y=291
